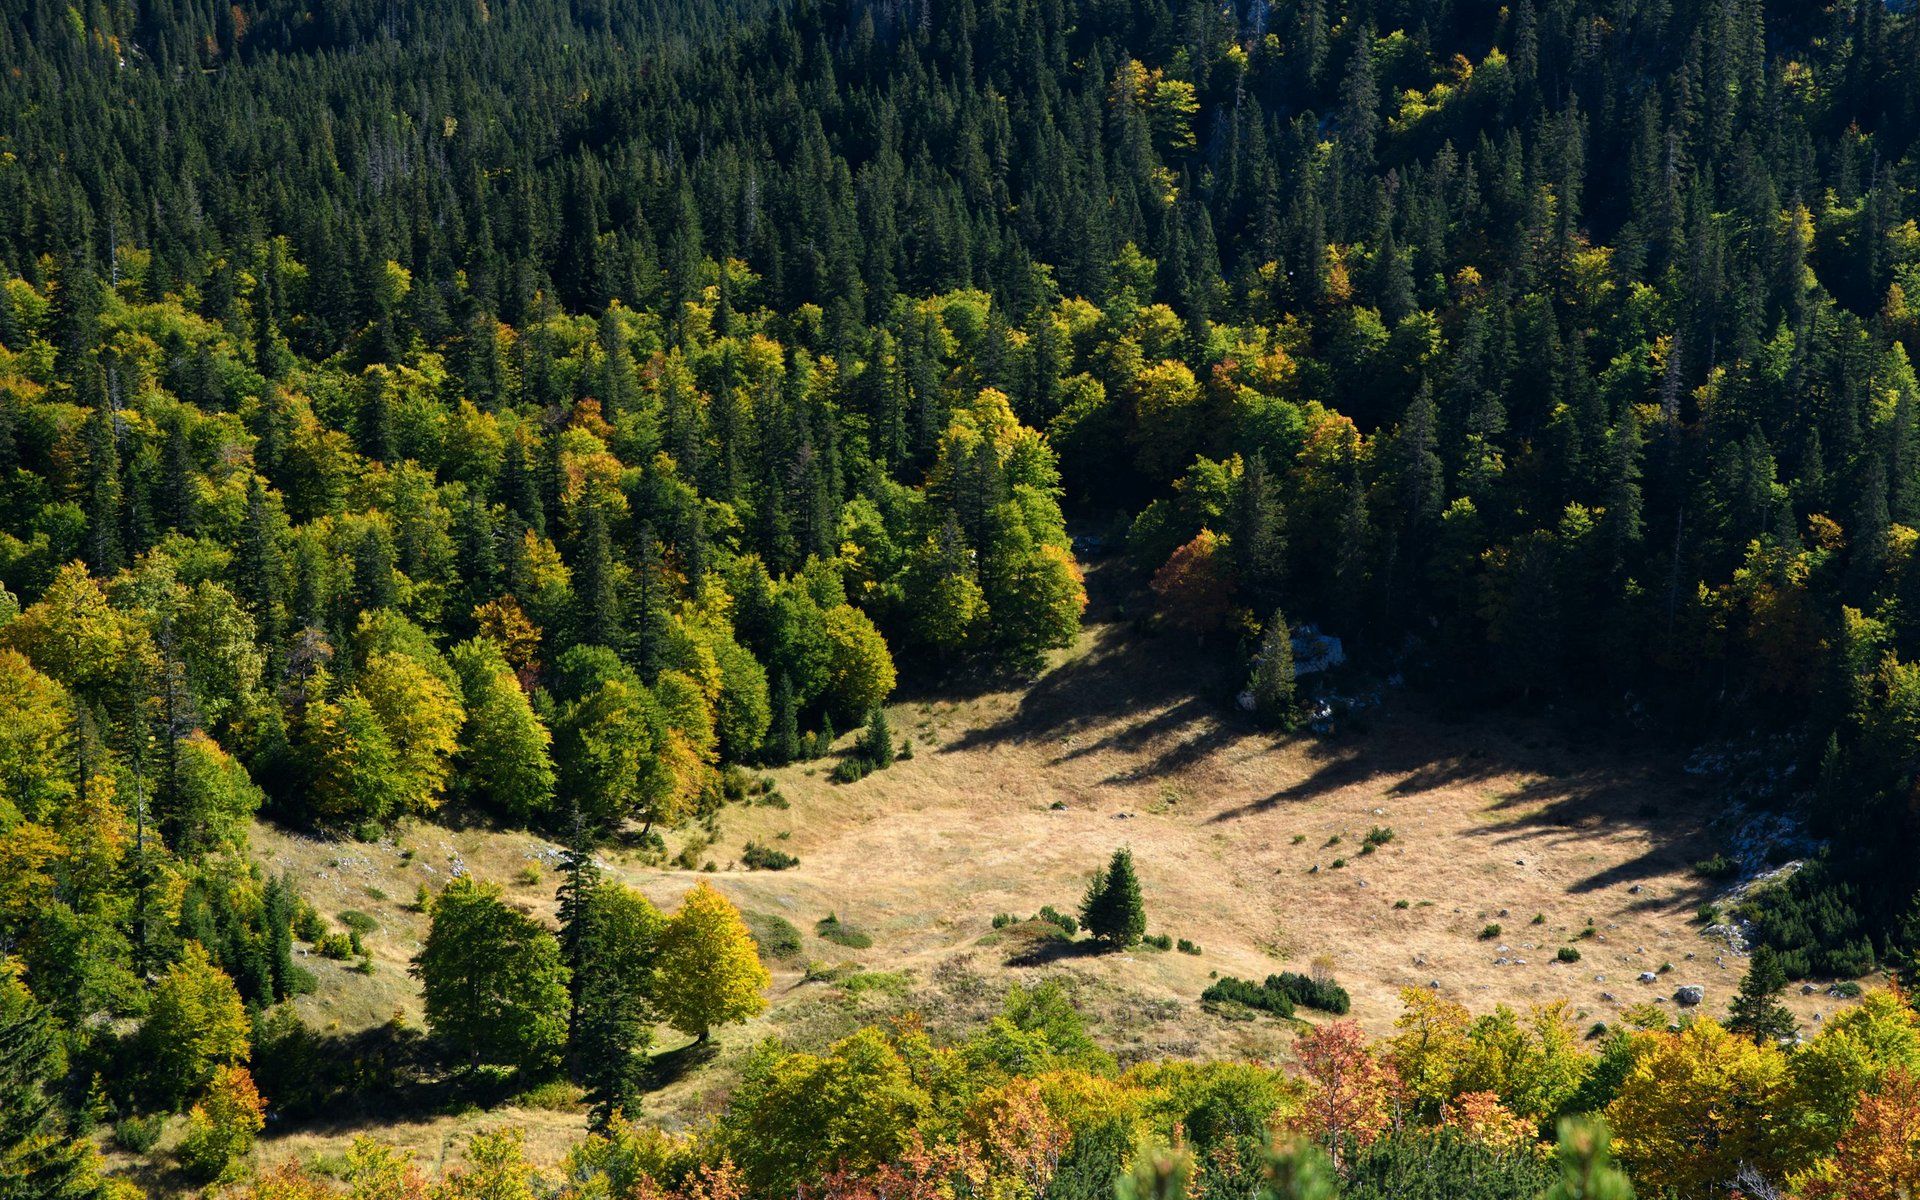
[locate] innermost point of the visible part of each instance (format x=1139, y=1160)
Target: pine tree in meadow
x=876, y=745
x=1113, y=911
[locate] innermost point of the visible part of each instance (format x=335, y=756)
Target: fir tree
x=783, y=733
x=1113, y=911
x=876, y=745
x=1757, y=1011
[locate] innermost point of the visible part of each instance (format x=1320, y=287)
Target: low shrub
x=775, y=937
x=1379, y=835
x=766, y=858
x=1229, y=990
x=1053, y=916
x=1308, y=992
x=1186, y=947
x=358, y=921
x=1157, y=941
x=1567, y=954
x=137, y=1135
x=1717, y=867
x=851, y=769
x=831, y=928
x=1490, y=932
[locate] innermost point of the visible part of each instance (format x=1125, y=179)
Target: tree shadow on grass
x=1542, y=784
x=670, y=1066
x=1041, y=952
x=328, y=1082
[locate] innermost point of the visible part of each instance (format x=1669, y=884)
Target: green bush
x=1379, y=835
x=137, y=1135
x=335, y=945
x=1567, y=954
x=1717, y=867
x=851, y=769
x=1158, y=941
x=766, y=858
x=1308, y=992
x=831, y=928
x=1068, y=924
x=1490, y=932
x=776, y=938
x=1186, y=947
x=358, y=922
x=1229, y=990
x=1002, y=920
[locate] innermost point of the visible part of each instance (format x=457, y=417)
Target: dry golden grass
x=1015, y=794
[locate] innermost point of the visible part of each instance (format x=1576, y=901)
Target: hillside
x=1015, y=793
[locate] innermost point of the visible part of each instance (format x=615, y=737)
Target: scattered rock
x=1649, y=977
x=1806, y=989
x=1607, y=996
x=1434, y=984
x=1519, y=862
x=1501, y=962
x=1689, y=995
x=1635, y=890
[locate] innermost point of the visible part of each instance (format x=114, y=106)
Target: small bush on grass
x=1567, y=954
x=1186, y=947
x=831, y=928
x=1053, y=916
x=1490, y=932
x=766, y=858
x=1158, y=941
x=137, y=1135
x=1232, y=991
x=775, y=937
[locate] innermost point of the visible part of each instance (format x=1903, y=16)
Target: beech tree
x=707, y=971
x=492, y=981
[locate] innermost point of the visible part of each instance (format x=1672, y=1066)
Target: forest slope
x=1016, y=793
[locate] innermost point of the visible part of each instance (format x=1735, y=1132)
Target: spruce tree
x=783, y=733
x=1113, y=911
x=1272, y=685
x=1756, y=1011
x=38, y=1158
x=876, y=746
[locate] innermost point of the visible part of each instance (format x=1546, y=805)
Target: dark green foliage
x=1280, y=994
x=1308, y=992
x=1441, y=1165
x=831, y=928
x=1113, y=911
x=757, y=857
x=38, y=1158
x=1228, y=989
x=876, y=744
x=1757, y=1011
x=1717, y=867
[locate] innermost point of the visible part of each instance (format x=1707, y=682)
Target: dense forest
x=556, y=409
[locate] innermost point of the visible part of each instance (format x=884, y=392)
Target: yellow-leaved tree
x=708, y=972
x=1698, y=1106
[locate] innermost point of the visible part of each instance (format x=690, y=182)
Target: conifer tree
x=876, y=744
x=1113, y=911
x=783, y=733
x=1273, y=681
x=1757, y=1011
